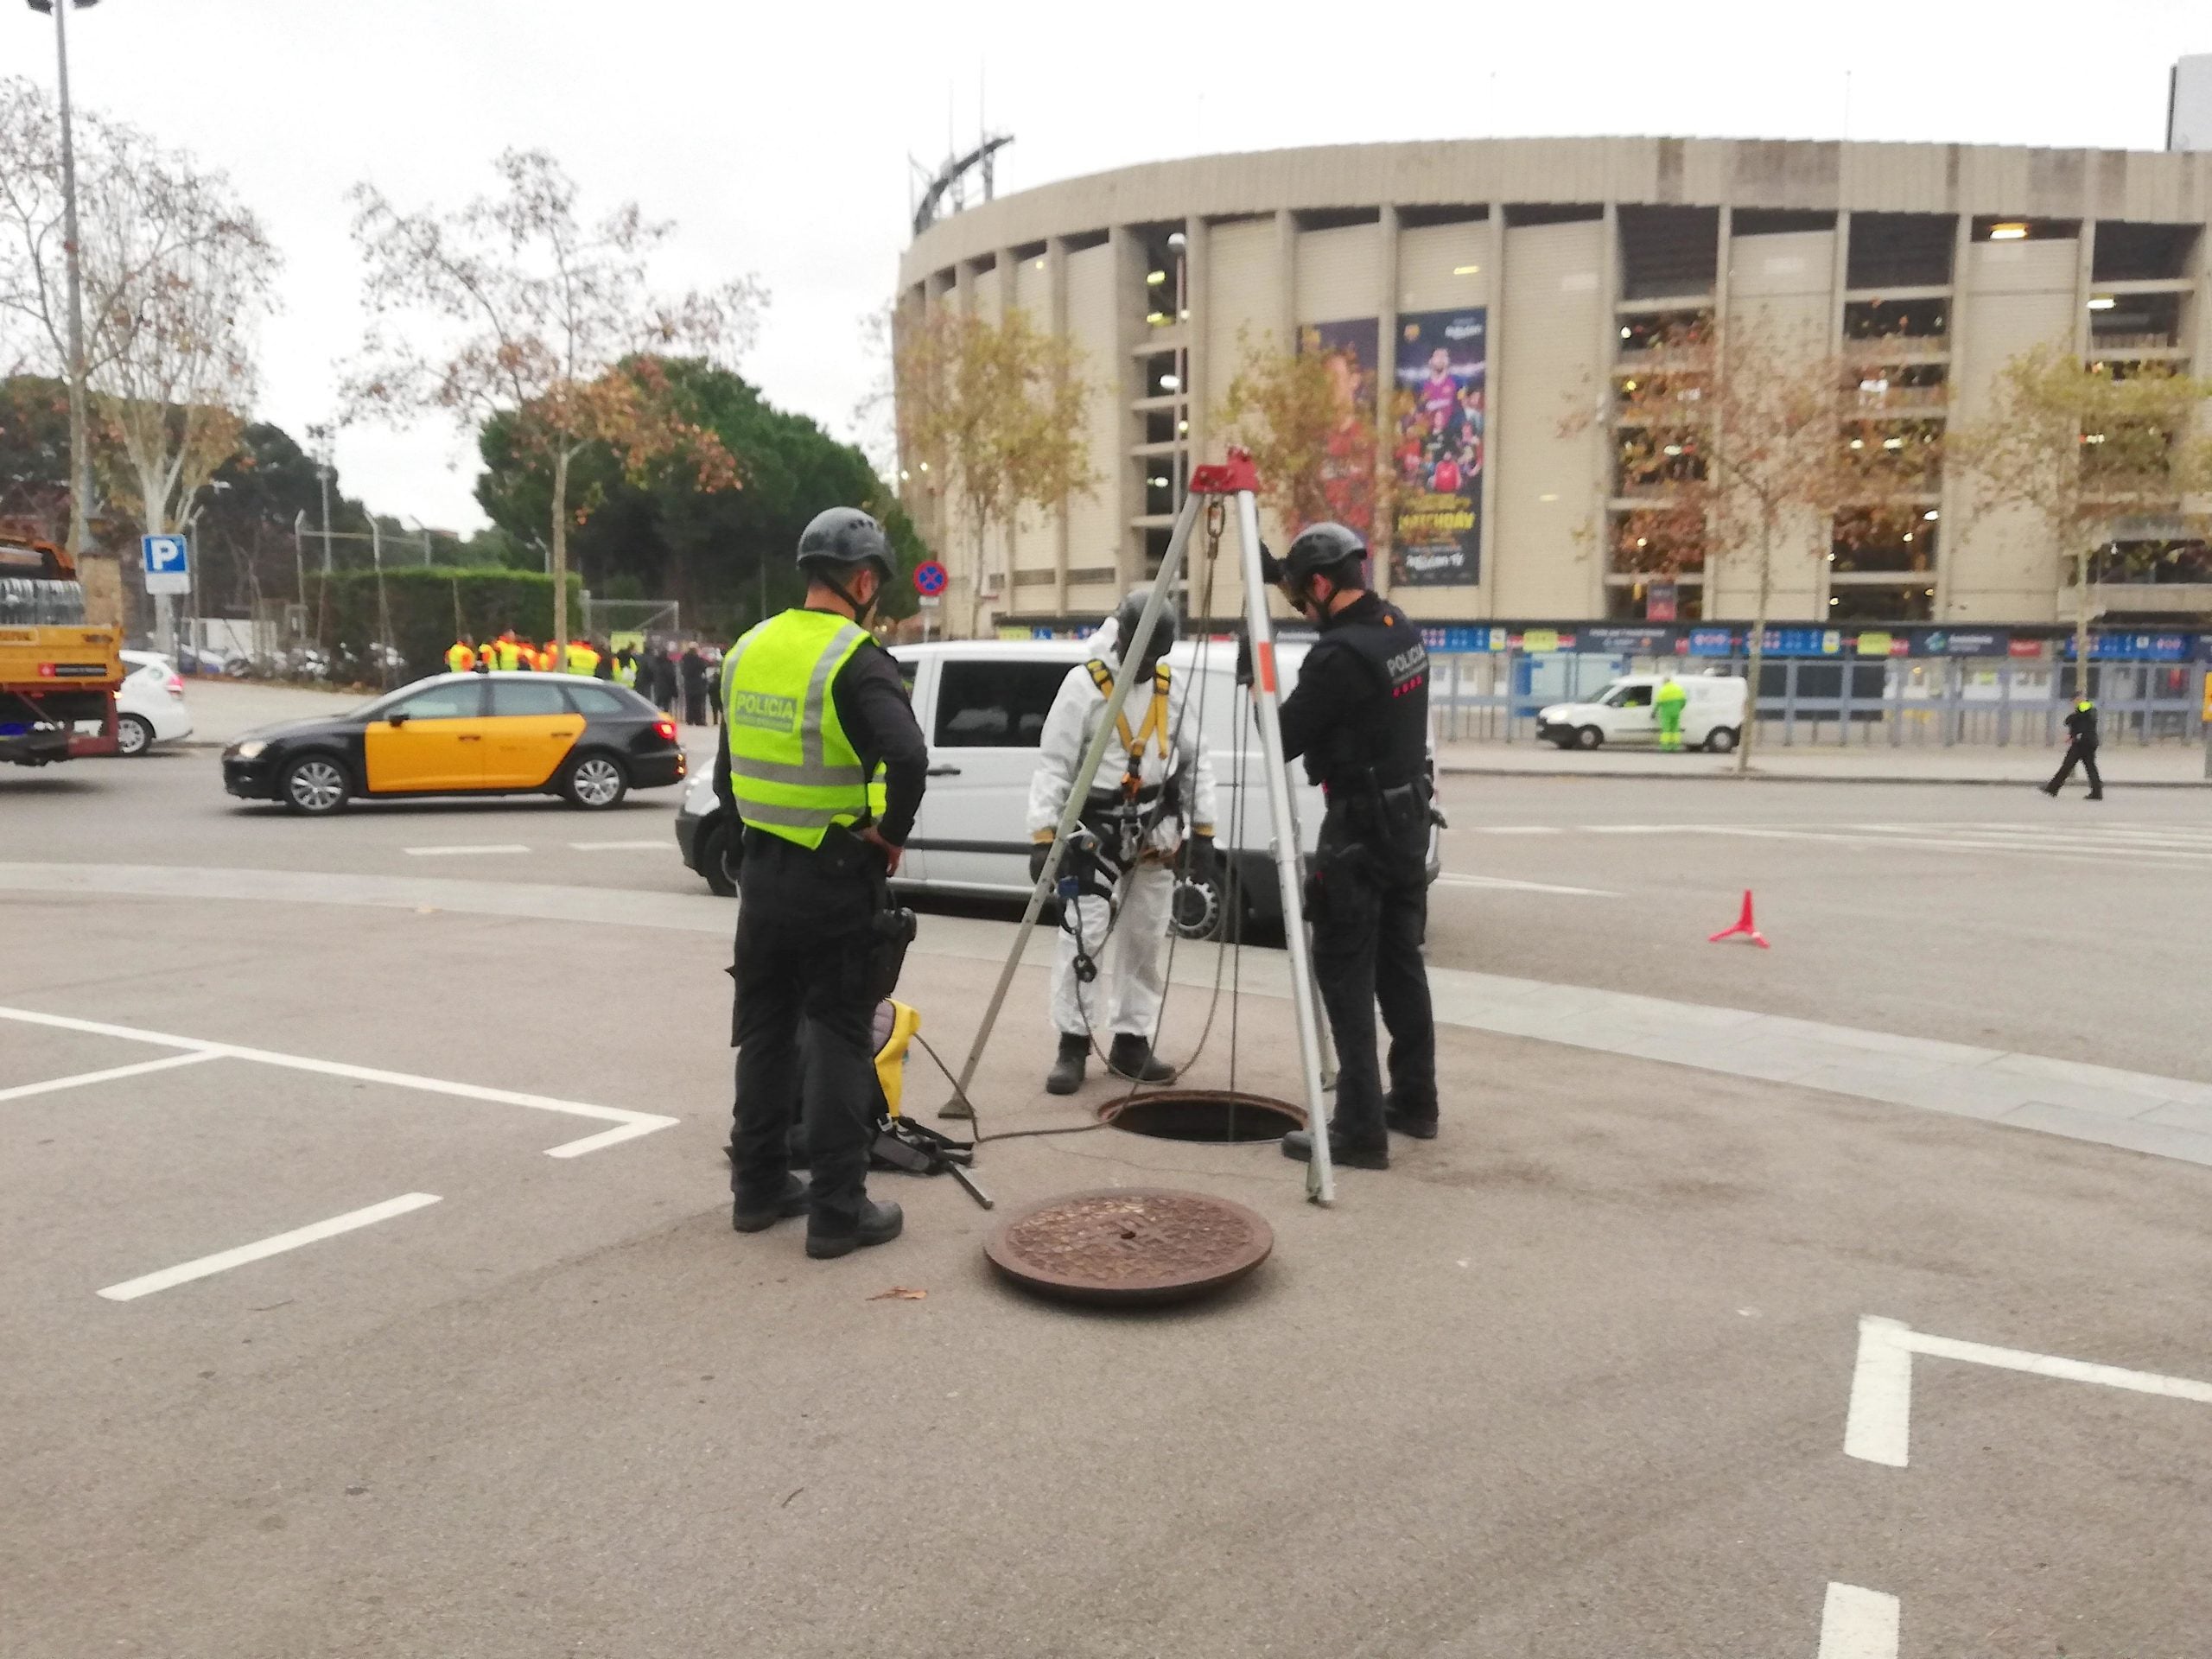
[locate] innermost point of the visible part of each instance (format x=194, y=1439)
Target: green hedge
x=431, y=606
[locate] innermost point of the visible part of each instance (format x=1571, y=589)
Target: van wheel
x=1588, y=737
x=713, y=853
x=1720, y=740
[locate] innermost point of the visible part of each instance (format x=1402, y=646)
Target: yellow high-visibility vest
x=793, y=771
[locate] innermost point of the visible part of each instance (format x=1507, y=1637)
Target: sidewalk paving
x=2125, y=765
x=225, y=709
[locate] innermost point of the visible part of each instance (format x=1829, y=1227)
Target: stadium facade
x=1473, y=292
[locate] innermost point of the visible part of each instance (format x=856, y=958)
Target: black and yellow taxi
x=587, y=740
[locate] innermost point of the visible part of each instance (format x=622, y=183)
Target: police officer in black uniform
x=811, y=923
x=1359, y=715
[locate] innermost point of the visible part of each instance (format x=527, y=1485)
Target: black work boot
x=1299, y=1144
x=1131, y=1057
x=1420, y=1126
x=1067, y=1075
x=751, y=1215
x=828, y=1236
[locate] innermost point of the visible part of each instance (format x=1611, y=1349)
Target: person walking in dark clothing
x=692, y=670
x=824, y=764
x=664, y=672
x=2081, y=750
x=1359, y=715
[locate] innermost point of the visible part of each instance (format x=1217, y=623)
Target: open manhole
x=1212, y=1114
x=1130, y=1245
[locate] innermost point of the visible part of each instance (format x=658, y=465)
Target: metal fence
x=1917, y=702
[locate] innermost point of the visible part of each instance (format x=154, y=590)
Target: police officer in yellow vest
x=823, y=763
x=460, y=656
x=583, y=659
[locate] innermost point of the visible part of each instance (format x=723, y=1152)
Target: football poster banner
x=1440, y=399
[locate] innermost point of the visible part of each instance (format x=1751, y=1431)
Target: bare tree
x=548, y=322
x=875, y=414
x=174, y=393
x=993, y=417
x=150, y=228
x=2091, y=451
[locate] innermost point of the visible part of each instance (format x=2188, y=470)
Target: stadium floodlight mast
x=81, y=458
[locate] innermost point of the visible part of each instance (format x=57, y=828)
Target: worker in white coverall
x=1153, y=787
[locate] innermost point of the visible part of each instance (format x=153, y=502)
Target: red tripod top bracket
x=1235, y=475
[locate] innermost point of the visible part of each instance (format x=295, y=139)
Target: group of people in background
x=676, y=679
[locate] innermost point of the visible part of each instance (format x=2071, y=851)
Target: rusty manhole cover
x=1130, y=1245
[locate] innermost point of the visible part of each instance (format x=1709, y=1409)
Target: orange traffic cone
x=1745, y=927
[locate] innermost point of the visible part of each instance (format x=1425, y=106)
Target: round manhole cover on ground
x=1208, y=1115
x=1130, y=1245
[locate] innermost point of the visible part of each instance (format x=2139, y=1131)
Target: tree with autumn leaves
x=546, y=320
x=2088, y=452
x=1747, y=442
x=1312, y=433
x=993, y=417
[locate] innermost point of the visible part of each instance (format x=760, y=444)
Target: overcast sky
x=776, y=138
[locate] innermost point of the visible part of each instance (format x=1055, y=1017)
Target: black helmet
x=1322, y=549
x=844, y=536
x=1125, y=615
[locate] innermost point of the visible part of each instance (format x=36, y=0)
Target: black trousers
x=1368, y=900
x=803, y=1023
x=2086, y=756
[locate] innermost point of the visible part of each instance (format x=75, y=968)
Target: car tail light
x=176, y=684
x=666, y=728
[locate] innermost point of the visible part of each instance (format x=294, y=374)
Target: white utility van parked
x=982, y=704
x=1711, y=719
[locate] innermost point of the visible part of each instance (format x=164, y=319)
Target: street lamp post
x=81, y=458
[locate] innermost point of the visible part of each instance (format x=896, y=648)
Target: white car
x=982, y=704
x=149, y=706
x=1712, y=718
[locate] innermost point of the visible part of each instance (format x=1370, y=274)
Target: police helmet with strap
x=1323, y=550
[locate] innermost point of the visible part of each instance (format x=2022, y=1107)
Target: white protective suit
x=1125, y=997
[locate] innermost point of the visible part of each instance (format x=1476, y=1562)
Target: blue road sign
x=168, y=564
x=929, y=579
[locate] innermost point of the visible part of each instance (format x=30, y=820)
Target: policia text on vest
x=824, y=764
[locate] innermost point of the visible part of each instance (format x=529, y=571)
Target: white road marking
x=630, y=1124
x=1515, y=829
x=623, y=846
x=1455, y=879
x=1879, y=1426
x=24, y=1091
x=223, y=1260
x=464, y=849
x=1858, y=1624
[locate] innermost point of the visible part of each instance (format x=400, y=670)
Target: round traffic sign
x=930, y=578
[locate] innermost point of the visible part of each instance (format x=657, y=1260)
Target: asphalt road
x=1575, y=1380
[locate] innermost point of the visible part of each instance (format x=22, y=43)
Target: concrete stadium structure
x=1555, y=266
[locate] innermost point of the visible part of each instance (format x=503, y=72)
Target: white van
x=1711, y=719
x=982, y=704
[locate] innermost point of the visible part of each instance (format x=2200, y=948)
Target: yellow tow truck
x=57, y=674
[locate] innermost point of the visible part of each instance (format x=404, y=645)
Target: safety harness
x=1117, y=821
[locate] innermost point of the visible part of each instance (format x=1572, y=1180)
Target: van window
x=1629, y=697
x=994, y=705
